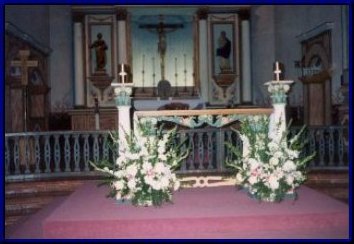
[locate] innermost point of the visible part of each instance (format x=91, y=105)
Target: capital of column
x=78, y=17
x=122, y=95
x=121, y=14
x=279, y=90
x=202, y=13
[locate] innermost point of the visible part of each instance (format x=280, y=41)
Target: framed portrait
x=222, y=40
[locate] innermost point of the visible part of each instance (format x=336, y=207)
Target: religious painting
x=223, y=56
x=100, y=49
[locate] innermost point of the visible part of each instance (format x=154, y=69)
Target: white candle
x=153, y=65
x=185, y=62
x=122, y=73
x=144, y=62
x=276, y=66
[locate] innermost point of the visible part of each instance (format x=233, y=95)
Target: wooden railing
x=67, y=154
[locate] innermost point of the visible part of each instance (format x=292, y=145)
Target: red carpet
x=219, y=212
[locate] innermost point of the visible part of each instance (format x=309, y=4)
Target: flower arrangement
x=270, y=167
x=143, y=173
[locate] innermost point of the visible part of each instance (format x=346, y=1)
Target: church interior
x=63, y=62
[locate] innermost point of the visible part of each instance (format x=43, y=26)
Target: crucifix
x=161, y=29
x=24, y=64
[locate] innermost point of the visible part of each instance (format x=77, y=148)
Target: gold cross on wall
x=24, y=64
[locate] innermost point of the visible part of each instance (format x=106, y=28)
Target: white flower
x=159, y=168
x=132, y=184
x=147, y=166
x=162, y=157
x=273, y=146
x=118, y=185
x=278, y=154
x=289, y=179
x=273, y=182
x=132, y=170
x=119, y=174
x=252, y=180
x=274, y=161
x=176, y=185
x=120, y=160
x=239, y=177
x=289, y=166
x=292, y=153
x=253, y=164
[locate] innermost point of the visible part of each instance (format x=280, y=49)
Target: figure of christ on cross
x=161, y=29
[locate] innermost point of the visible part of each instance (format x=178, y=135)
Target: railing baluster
x=340, y=148
x=47, y=153
x=193, y=154
x=76, y=153
x=67, y=153
x=86, y=153
x=105, y=147
x=322, y=147
x=17, y=156
x=56, y=153
x=37, y=154
x=96, y=150
x=331, y=147
x=7, y=156
x=200, y=150
x=312, y=142
x=26, y=159
x=184, y=162
x=210, y=151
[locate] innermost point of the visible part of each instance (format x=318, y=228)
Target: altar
x=156, y=103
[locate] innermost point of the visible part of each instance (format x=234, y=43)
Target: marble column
x=79, y=64
x=246, y=62
x=122, y=36
x=203, y=54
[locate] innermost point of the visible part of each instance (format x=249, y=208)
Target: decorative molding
x=121, y=14
x=206, y=181
x=17, y=32
x=202, y=13
x=78, y=17
x=315, y=31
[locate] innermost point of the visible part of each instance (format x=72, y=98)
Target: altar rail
x=67, y=154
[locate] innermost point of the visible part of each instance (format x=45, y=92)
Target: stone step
x=24, y=206
x=28, y=189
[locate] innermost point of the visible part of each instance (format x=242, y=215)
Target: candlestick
x=176, y=65
x=143, y=73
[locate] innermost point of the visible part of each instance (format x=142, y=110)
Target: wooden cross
x=24, y=63
x=277, y=71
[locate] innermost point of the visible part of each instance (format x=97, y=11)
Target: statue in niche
x=223, y=51
x=100, y=50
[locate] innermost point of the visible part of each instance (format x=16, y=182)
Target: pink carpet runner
x=218, y=212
